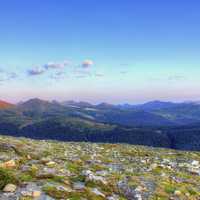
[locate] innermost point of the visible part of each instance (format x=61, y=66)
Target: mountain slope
x=156, y=105
x=181, y=114
x=5, y=105
x=132, y=118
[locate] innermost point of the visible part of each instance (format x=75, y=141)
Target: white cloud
x=87, y=63
x=82, y=73
x=58, y=76
x=5, y=76
x=12, y=75
x=53, y=65
x=99, y=74
x=176, y=78
x=36, y=71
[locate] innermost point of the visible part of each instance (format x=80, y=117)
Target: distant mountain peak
x=5, y=105
x=159, y=102
x=156, y=105
x=34, y=101
x=77, y=104
x=36, y=104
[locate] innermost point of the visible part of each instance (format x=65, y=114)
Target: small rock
x=195, y=162
x=36, y=194
x=114, y=197
x=97, y=192
x=193, y=170
x=139, y=189
x=138, y=197
x=66, y=182
x=8, y=164
x=102, y=173
x=91, y=177
x=64, y=189
x=33, y=194
x=26, y=193
x=51, y=164
x=10, y=188
x=153, y=166
x=187, y=194
x=177, y=192
x=78, y=186
x=45, y=160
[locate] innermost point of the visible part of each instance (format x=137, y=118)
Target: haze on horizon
x=100, y=51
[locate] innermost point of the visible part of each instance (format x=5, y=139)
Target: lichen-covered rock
x=8, y=164
x=10, y=188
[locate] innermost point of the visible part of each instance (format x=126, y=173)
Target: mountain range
x=156, y=123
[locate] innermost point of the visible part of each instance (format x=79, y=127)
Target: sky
x=111, y=51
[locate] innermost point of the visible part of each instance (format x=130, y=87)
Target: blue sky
x=107, y=50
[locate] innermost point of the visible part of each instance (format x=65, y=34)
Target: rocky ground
x=48, y=170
